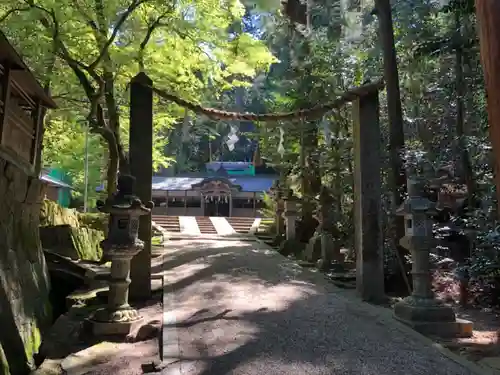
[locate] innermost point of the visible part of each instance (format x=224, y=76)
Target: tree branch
x=12, y=11
x=76, y=66
x=151, y=28
x=190, y=37
x=133, y=6
x=87, y=17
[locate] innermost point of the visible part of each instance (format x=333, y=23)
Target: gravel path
x=239, y=308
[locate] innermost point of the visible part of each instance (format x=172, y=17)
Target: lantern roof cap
x=124, y=200
x=416, y=205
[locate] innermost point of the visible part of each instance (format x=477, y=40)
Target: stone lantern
x=330, y=251
x=277, y=195
x=421, y=310
x=290, y=214
x=120, y=246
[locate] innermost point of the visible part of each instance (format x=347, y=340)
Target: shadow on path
x=244, y=309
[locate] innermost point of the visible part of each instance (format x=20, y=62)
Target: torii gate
x=367, y=176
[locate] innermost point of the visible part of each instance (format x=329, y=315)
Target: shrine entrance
x=217, y=196
x=367, y=155
x=216, y=206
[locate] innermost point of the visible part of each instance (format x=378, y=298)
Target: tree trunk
x=466, y=174
x=337, y=165
x=309, y=159
x=112, y=174
x=488, y=16
x=397, y=178
x=396, y=134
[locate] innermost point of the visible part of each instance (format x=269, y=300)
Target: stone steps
x=241, y=224
x=169, y=223
x=205, y=225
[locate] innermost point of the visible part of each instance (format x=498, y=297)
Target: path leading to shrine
x=237, y=307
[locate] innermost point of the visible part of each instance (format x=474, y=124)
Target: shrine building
x=230, y=189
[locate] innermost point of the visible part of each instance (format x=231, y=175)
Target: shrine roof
x=248, y=183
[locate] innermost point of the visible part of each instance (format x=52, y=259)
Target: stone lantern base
x=430, y=317
x=120, y=322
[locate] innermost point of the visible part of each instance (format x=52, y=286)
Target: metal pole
x=86, y=170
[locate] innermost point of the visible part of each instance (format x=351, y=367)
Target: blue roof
x=251, y=184
x=257, y=184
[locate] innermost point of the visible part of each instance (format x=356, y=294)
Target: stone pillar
x=120, y=246
x=230, y=205
x=141, y=167
x=290, y=215
x=254, y=204
x=327, y=229
x=421, y=310
x=277, y=196
x=367, y=195
x=280, y=209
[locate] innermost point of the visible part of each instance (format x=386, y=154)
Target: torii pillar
x=141, y=167
x=367, y=194
x=488, y=16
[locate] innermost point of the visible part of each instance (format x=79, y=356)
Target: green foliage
x=198, y=50
x=269, y=209
x=64, y=148
x=184, y=47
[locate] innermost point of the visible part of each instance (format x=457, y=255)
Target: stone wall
x=70, y=233
x=24, y=282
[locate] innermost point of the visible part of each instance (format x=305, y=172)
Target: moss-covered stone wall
x=71, y=233
x=24, y=281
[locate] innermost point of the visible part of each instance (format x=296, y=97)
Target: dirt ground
x=69, y=350
x=484, y=342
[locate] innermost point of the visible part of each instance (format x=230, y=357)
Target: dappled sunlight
x=184, y=271
x=242, y=309
x=222, y=280
x=219, y=339
x=291, y=269
x=287, y=366
x=242, y=295
x=264, y=251
x=230, y=254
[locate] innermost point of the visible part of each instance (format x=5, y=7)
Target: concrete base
x=431, y=317
x=416, y=309
x=97, y=328
x=460, y=328
x=114, y=322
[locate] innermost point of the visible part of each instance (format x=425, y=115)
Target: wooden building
x=22, y=102
x=224, y=189
x=55, y=189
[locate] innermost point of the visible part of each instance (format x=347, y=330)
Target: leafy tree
x=95, y=47
x=68, y=153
